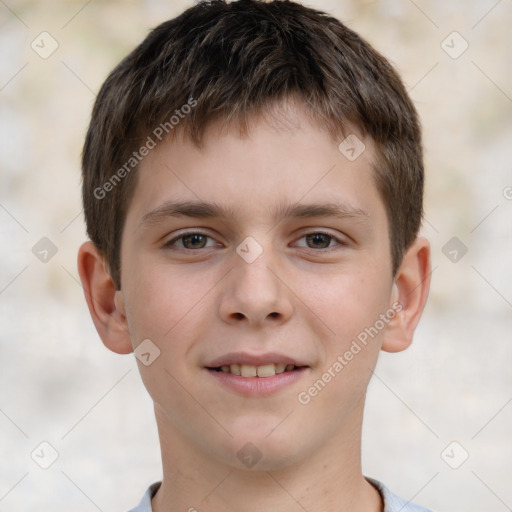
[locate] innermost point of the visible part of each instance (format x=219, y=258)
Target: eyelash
x=190, y=233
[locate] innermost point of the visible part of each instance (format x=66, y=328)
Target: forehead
x=282, y=163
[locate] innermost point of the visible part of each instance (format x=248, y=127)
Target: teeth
x=266, y=370
x=235, y=369
x=280, y=367
x=247, y=370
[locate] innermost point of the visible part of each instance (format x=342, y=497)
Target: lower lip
x=258, y=386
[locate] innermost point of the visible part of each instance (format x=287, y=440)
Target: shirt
x=392, y=503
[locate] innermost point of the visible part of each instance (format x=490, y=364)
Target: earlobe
x=409, y=294
x=106, y=305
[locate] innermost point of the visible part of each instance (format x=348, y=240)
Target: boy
x=252, y=187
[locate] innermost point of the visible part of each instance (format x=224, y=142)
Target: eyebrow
x=205, y=210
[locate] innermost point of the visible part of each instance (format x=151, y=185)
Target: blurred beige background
x=59, y=385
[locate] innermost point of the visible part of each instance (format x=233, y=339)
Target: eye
x=191, y=241
x=319, y=240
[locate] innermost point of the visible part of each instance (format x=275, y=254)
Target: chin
x=268, y=448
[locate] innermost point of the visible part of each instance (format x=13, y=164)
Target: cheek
x=348, y=303
x=164, y=306
x=350, y=306
x=170, y=308
x=161, y=302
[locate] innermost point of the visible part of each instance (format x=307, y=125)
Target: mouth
x=262, y=371
x=256, y=375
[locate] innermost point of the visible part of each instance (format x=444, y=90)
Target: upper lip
x=253, y=359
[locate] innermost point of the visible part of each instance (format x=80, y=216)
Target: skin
x=308, y=299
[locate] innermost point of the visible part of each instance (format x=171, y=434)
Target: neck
x=329, y=480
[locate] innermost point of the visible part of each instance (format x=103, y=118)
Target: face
x=257, y=255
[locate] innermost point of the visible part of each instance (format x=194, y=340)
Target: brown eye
x=318, y=240
x=191, y=241
x=194, y=241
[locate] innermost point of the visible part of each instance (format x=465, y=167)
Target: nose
x=256, y=293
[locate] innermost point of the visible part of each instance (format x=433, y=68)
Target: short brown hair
x=232, y=61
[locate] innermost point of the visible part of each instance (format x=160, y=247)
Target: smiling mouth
x=247, y=370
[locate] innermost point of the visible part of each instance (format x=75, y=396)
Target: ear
x=408, y=296
x=105, y=304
